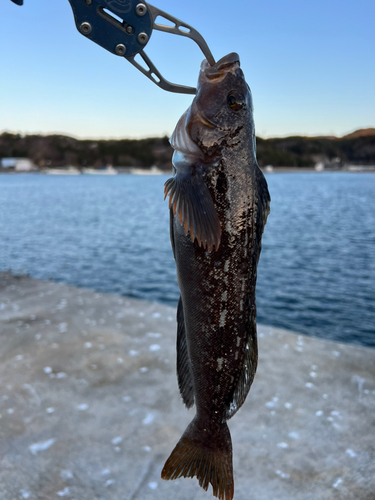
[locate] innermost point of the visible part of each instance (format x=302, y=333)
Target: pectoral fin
x=192, y=203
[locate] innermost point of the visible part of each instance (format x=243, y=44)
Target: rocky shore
x=90, y=407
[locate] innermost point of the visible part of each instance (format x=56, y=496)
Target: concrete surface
x=90, y=407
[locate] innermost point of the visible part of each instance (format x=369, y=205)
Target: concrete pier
x=90, y=408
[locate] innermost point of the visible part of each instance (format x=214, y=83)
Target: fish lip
x=222, y=66
x=227, y=60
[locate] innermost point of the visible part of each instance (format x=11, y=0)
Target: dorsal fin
x=246, y=376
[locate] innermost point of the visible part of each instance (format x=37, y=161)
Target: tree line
x=59, y=150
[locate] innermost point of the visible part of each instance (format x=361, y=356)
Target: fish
x=219, y=203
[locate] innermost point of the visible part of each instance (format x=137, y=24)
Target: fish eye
x=235, y=101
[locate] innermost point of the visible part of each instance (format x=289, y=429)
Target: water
x=316, y=273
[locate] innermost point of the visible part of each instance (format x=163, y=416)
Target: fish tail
x=205, y=454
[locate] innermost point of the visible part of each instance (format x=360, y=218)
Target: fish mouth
x=228, y=63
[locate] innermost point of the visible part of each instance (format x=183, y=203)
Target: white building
x=18, y=164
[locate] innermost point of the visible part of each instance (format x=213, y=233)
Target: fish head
x=222, y=112
x=220, y=116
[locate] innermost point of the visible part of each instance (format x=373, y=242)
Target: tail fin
x=206, y=455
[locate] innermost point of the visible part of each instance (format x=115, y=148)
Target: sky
x=310, y=65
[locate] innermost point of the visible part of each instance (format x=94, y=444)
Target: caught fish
x=219, y=203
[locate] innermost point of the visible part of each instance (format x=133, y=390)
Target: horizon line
x=162, y=136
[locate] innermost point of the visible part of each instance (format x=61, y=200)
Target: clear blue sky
x=310, y=65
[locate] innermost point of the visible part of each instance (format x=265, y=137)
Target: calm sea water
x=316, y=273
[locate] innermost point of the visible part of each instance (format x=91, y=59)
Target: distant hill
x=362, y=132
x=356, y=148
x=58, y=150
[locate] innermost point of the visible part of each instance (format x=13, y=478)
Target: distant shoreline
x=147, y=172
x=38, y=152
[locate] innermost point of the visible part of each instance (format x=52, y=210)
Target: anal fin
x=184, y=375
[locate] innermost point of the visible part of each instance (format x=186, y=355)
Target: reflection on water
x=316, y=273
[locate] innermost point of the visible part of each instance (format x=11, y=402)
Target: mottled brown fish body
x=216, y=245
